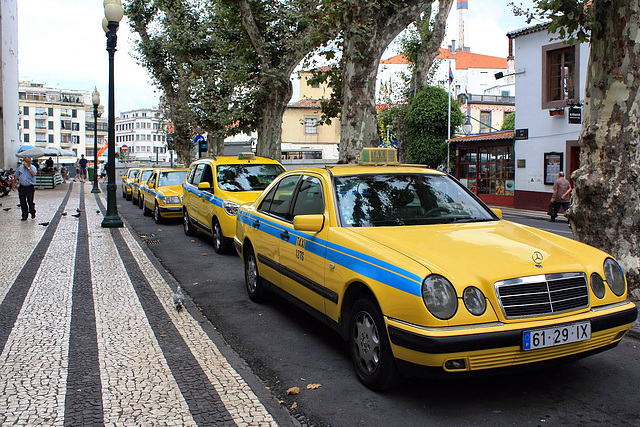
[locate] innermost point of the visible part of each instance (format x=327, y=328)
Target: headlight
x=474, y=300
x=172, y=200
x=439, y=296
x=615, y=276
x=597, y=285
x=230, y=208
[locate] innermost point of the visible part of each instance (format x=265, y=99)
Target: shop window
x=488, y=170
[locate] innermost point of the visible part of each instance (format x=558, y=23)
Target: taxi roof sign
x=246, y=156
x=378, y=156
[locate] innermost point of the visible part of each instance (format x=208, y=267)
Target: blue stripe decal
x=366, y=265
x=216, y=201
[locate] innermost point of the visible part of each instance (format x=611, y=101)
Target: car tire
x=189, y=229
x=133, y=201
x=220, y=243
x=128, y=197
x=145, y=210
x=253, y=281
x=369, y=346
x=156, y=214
x=140, y=201
x=124, y=194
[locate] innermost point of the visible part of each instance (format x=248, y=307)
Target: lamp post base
x=95, y=188
x=112, y=222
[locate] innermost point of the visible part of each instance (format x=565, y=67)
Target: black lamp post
x=95, y=98
x=113, y=13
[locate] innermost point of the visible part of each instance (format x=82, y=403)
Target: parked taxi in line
x=139, y=180
x=216, y=186
x=162, y=194
x=417, y=274
x=127, y=178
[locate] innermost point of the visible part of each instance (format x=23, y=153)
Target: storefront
x=485, y=164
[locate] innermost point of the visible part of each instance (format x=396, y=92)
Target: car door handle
x=256, y=224
x=284, y=235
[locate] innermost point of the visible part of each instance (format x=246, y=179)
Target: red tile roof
x=305, y=103
x=464, y=60
x=490, y=136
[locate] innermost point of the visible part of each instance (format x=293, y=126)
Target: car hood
x=482, y=253
x=241, y=197
x=171, y=190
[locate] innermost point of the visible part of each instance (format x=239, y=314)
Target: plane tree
x=605, y=203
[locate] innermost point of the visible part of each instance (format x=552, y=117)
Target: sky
x=61, y=44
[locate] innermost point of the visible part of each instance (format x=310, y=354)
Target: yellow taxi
x=127, y=178
x=216, y=186
x=418, y=275
x=139, y=180
x=162, y=194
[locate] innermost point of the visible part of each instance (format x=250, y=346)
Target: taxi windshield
x=171, y=178
x=144, y=175
x=370, y=200
x=247, y=177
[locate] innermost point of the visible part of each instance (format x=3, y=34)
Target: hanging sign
x=575, y=115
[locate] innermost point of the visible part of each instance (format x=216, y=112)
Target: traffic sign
x=124, y=148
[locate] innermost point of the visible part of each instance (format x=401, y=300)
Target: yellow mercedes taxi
x=139, y=180
x=216, y=186
x=162, y=194
x=127, y=178
x=418, y=275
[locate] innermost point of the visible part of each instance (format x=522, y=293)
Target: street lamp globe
x=467, y=127
x=113, y=10
x=95, y=97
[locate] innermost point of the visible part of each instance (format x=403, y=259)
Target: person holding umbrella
x=26, y=176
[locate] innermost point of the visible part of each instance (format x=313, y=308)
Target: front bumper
x=500, y=345
x=171, y=211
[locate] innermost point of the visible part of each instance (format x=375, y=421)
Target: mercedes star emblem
x=537, y=258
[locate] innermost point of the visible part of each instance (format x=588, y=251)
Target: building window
x=51, y=111
x=41, y=111
x=25, y=110
x=74, y=113
x=41, y=124
x=50, y=125
x=488, y=170
x=560, y=80
x=485, y=121
x=50, y=139
x=25, y=124
x=75, y=139
x=310, y=125
x=26, y=137
x=75, y=126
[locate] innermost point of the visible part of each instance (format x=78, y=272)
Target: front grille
x=542, y=294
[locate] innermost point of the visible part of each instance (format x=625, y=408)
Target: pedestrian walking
x=26, y=177
x=83, y=168
x=561, y=196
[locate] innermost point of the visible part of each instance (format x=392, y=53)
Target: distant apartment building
x=141, y=135
x=57, y=118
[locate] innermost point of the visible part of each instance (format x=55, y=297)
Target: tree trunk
x=369, y=30
x=276, y=98
x=605, y=210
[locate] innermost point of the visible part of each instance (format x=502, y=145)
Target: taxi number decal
x=300, y=242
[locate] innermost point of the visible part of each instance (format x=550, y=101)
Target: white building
x=550, y=82
x=141, y=135
x=56, y=118
x=9, y=137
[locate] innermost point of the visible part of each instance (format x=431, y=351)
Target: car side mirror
x=497, y=212
x=310, y=223
x=204, y=186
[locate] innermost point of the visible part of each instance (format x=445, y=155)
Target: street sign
x=522, y=134
x=124, y=148
x=575, y=115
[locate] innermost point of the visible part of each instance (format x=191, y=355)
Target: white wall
x=546, y=133
x=9, y=138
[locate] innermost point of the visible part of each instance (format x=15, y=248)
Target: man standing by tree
x=561, y=195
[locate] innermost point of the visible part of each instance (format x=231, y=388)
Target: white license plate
x=556, y=335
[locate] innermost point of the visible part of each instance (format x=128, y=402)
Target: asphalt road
x=287, y=348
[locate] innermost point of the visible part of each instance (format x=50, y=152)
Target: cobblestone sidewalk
x=89, y=334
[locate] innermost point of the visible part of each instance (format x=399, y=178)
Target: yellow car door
x=303, y=251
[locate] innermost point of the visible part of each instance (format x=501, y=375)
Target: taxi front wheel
x=255, y=288
x=220, y=243
x=369, y=346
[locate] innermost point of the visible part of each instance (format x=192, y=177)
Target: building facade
x=57, y=118
x=9, y=135
x=550, y=82
x=141, y=135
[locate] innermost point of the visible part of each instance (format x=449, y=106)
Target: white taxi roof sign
x=378, y=156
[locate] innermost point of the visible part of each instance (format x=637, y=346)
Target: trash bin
x=90, y=173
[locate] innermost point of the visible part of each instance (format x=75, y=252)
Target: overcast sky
x=61, y=44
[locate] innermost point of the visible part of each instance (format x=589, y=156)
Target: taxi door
x=269, y=225
x=302, y=254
